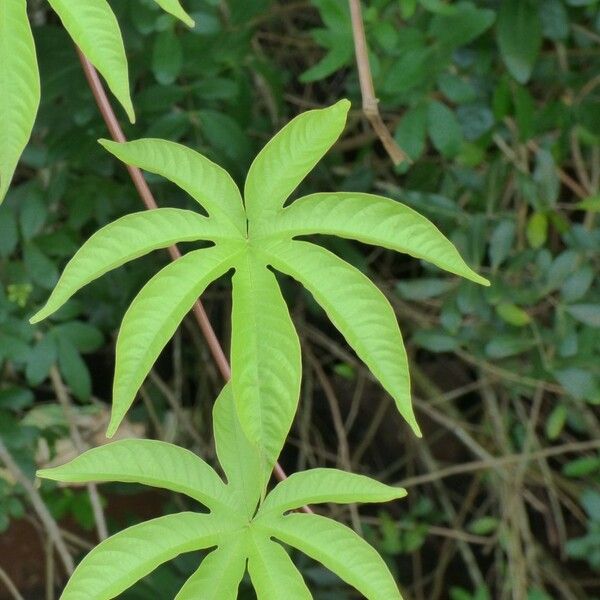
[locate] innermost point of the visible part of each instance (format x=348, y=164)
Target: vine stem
x=114, y=128
x=370, y=103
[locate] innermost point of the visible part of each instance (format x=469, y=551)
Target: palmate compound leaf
x=240, y=536
x=262, y=234
x=19, y=87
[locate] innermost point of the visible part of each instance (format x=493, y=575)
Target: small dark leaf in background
x=461, y=26
x=444, y=129
x=167, y=57
x=411, y=133
x=9, y=235
x=41, y=359
x=555, y=20
x=519, y=32
x=74, y=369
x=85, y=337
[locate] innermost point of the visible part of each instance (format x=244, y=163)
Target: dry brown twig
x=370, y=103
x=65, y=401
x=40, y=508
x=10, y=586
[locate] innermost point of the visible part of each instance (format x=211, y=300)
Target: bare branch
x=367, y=90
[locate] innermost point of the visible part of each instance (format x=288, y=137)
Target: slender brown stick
x=40, y=508
x=493, y=463
x=10, y=586
x=147, y=198
x=65, y=401
x=367, y=89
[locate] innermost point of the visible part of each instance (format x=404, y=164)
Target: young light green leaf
x=123, y=240
x=174, y=7
x=19, y=87
x=219, y=575
x=154, y=316
x=340, y=550
x=118, y=562
x=317, y=486
x=149, y=462
x=359, y=311
x=373, y=220
x=289, y=156
x=210, y=185
x=273, y=572
x=239, y=458
x=519, y=32
x=265, y=358
x=94, y=28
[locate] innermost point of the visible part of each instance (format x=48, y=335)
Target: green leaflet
x=232, y=526
x=149, y=462
x=318, y=486
x=153, y=317
x=219, y=575
x=288, y=158
x=239, y=459
x=123, y=240
x=94, y=28
x=373, y=220
x=19, y=87
x=272, y=571
x=265, y=357
x=210, y=185
x=121, y=560
x=340, y=550
x=358, y=310
x=174, y=7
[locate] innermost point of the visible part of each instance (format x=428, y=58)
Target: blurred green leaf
x=40, y=360
x=519, y=32
x=503, y=346
x=411, y=132
x=513, y=314
x=537, y=229
x=588, y=314
x=74, y=370
x=167, y=57
x=461, y=26
x=423, y=289
x=444, y=129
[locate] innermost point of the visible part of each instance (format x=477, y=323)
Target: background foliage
x=498, y=105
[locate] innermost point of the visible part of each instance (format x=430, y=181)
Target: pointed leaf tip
x=343, y=105
x=36, y=318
